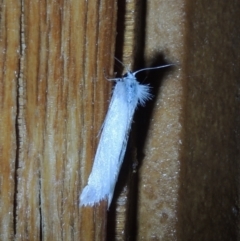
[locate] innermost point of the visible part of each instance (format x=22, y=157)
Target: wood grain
x=54, y=96
x=62, y=99
x=9, y=68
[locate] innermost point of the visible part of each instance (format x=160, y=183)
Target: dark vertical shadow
x=154, y=79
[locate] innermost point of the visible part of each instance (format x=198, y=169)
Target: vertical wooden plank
x=68, y=46
x=190, y=173
x=9, y=70
x=160, y=166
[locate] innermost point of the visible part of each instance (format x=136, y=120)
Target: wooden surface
x=53, y=99
x=57, y=97
x=189, y=178
x=9, y=66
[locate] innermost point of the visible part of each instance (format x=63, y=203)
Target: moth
x=127, y=95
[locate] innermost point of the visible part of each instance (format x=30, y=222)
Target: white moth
x=127, y=94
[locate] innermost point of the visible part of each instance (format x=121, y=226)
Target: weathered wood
x=9, y=69
x=189, y=177
x=53, y=99
x=68, y=45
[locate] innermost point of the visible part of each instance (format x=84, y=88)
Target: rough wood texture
x=53, y=99
x=62, y=99
x=189, y=181
x=9, y=66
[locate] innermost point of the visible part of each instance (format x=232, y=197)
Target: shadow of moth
x=127, y=94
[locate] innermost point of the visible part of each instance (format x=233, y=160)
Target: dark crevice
x=40, y=207
x=16, y=163
x=18, y=121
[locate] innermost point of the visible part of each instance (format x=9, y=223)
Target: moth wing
x=105, y=168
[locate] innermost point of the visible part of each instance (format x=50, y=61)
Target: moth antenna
x=128, y=70
x=159, y=67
